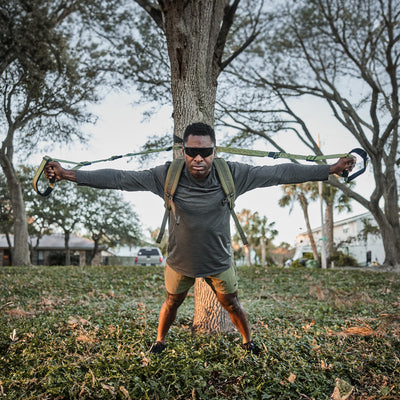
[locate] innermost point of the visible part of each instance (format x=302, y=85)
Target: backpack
x=228, y=186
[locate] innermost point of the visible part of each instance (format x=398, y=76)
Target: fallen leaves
x=342, y=391
x=75, y=322
x=19, y=312
x=79, y=324
x=113, y=391
x=292, y=378
x=109, y=388
x=386, y=323
x=14, y=336
x=123, y=390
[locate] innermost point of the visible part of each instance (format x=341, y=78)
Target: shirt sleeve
x=151, y=180
x=248, y=177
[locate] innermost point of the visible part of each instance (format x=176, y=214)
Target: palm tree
x=259, y=233
x=302, y=193
x=332, y=195
x=264, y=232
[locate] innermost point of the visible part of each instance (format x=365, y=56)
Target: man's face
x=199, y=165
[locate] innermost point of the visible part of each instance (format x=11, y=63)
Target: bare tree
x=342, y=52
x=51, y=63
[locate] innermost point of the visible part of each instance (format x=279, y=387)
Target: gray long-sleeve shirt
x=199, y=230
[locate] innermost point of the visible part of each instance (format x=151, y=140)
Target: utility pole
x=323, y=237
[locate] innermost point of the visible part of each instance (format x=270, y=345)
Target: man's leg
x=168, y=314
x=177, y=286
x=238, y=316
x=236, y=312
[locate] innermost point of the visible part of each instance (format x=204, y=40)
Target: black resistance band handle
x=363, y=154
x=38, y=175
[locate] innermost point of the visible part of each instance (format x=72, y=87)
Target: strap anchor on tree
x=358, y=153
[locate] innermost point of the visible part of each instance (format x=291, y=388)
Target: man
x=199, y=244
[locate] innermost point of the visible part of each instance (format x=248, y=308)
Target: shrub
x=343, y=260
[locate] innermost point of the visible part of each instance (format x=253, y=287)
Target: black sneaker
x=157, y=348
x=251, y=347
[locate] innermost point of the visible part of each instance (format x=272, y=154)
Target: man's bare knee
x=173, y=301
x=230, y=302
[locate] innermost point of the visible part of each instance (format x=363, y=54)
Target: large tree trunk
x=388, y=221
x=67, y=249
x=390, y=232
x=209, y=316
x=20, y=254
x=192, y=29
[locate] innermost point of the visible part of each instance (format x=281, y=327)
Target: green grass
x=84, y=333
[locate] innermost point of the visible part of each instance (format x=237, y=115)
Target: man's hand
x=343, y=164
x=54, y=170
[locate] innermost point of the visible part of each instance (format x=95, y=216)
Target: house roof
x=53, y=242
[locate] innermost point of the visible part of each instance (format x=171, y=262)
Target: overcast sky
x=120, y=130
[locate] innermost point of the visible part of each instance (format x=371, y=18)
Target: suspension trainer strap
x=80, y=164
x=232, y=150
x=278, y=154
x=226, y=179
x=171, y=183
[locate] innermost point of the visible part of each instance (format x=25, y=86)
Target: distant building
x=346, y=233
x=51, y=250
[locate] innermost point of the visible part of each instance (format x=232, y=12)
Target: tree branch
x=240, y=50
x=229, y=14
x=153, y=10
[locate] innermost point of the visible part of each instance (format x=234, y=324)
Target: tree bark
x=20, y=253
x=67, y=249
x=209, y=316
x=192, y=29
x=390, y=232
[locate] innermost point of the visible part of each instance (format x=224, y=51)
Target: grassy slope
x=84, y=333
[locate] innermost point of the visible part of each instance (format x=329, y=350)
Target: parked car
x=149, y=256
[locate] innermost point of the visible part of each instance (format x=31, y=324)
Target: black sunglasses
x=202, y=151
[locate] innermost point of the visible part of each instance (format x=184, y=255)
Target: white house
x=364, y=251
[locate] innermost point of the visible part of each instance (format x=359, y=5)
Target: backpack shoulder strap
x=226, y=179
x=171, y=183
